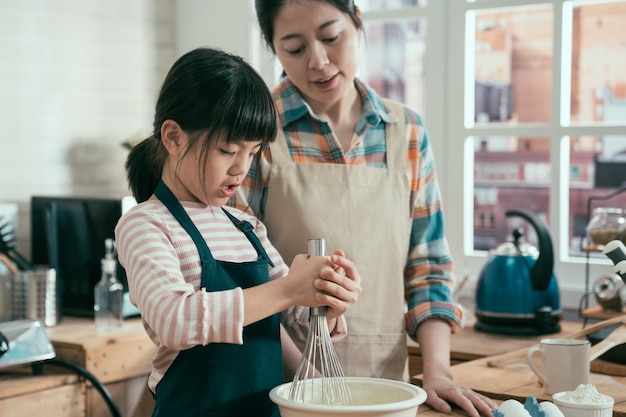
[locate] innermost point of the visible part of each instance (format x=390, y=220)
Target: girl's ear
x=173, y=137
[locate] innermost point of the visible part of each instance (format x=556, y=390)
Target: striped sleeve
x=163, y=278
x=294, y=319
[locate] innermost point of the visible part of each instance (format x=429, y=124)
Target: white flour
x=585, y=394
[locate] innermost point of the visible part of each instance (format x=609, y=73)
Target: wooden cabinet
x=23, y=395
x=121, y=360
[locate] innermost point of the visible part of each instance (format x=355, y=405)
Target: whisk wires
x=319, y=378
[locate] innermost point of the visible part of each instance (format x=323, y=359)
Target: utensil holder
x=35, y=296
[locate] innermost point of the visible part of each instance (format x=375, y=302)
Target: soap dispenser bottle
x=108, y=293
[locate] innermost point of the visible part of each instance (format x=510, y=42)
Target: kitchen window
x=527, y=97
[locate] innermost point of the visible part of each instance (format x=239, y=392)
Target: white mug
x=565, y=364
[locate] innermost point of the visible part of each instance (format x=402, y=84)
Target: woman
x=211, y=289
x=339, y=142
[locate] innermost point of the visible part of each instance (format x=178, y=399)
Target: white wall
x=228, y=25
x=77, y=78
x=218, y=24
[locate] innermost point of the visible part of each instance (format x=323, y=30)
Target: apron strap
x=168, y=198
x=246, y=228
x=396, y=155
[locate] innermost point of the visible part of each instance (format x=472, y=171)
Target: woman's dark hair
x=208, y=92
x=266, y=11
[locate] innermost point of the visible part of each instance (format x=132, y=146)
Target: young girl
x=211, y=289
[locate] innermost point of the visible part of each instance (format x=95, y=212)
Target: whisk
x=319, y=378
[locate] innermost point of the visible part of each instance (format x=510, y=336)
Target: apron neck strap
x=246, y=228
x=163, y=193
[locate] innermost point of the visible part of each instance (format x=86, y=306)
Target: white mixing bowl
x=370, y=397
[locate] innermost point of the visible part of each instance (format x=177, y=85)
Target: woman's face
x=318, y=47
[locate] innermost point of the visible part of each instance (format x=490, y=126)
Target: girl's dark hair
x=266, y=11
x=208, y=92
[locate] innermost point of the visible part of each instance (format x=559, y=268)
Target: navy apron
x=223, y=379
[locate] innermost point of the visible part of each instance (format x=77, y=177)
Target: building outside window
x=534, y=96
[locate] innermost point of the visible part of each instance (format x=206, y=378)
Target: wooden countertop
x=425, y=410
x=469, y=344
x=513, y=380
x=516, y=381
x=111, y=356
x=127, y=353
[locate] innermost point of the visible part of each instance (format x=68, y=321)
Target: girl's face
x=318, y=47
x=224, y=169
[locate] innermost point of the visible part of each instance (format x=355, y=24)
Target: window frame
x=570, y=271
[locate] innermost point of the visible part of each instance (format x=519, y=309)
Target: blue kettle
x=517, y=292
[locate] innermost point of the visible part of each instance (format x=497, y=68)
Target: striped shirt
x=163, y=270
x=428, y=276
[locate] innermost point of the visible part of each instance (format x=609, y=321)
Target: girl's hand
x=299, y=285
x=339, y=285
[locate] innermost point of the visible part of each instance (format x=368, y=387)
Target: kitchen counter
x=425, y=410
x=25, y=395
x=469, y=344
x=111, y=356
x=120, y=359
x=472, y=349
x=516, y=381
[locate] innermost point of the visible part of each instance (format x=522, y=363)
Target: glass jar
x=605, y=225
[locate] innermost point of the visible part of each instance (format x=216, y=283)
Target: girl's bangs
x=250, y=115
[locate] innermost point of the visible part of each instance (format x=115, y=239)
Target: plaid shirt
x=428, y=275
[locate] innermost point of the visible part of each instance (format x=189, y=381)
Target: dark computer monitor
x=68, y=234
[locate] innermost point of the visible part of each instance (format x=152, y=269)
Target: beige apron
x=365, y=212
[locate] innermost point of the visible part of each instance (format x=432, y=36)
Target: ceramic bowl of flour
x=585, y=401
x=370, y=397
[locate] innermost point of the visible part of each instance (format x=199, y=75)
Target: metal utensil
x=615, y=250
x=319, y=378
x=7, y=247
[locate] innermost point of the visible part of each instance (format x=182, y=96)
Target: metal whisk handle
x=317, y=247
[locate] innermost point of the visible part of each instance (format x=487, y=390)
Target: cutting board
x=609, y=368
x=517, y=381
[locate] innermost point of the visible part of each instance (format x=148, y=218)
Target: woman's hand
x=339, y=285
x=433, y=336
x=441, y=391
x=299, y=284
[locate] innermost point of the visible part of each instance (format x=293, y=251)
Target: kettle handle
x=541, y=272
